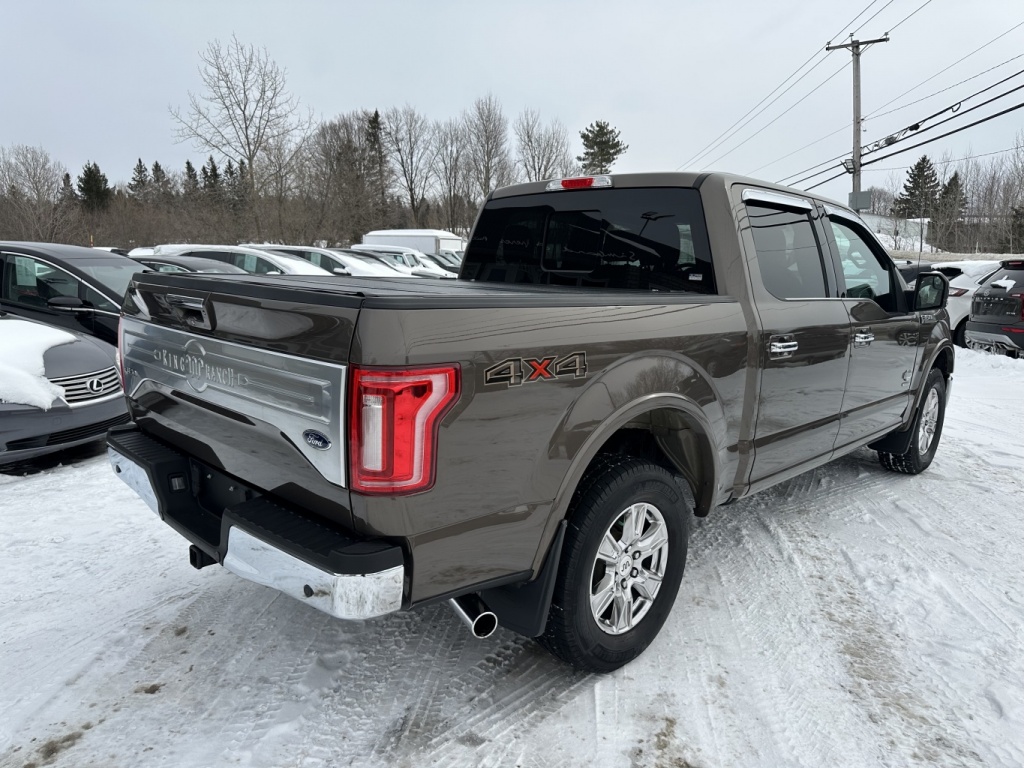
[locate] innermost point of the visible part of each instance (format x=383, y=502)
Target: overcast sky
x=93, y=81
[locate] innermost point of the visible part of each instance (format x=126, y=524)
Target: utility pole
x=856, y=48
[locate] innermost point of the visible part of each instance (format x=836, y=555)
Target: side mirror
x=66, y=304
x=931, y=291
x=274, y=272
x=340, y=271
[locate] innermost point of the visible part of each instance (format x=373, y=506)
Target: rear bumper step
x=260, y=540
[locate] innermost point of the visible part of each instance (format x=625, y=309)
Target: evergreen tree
x=949, y=212
x=93, y=189
x=211, y=176
x=920, y=192
x=67, y=192
x=161, y=182
x=601, y=147
x=378, y=172
x=140, y=180
x=190, y=185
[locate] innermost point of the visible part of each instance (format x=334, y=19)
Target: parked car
x=423, y=240
x=997, y=311
x=390, y=267
x=332, y=261
x=84, y=368
x=415, y=261
x=176, y=263
x=252, y=260
x=76, y=288
x=964, y=279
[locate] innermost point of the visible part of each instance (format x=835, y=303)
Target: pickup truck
x=528, y=441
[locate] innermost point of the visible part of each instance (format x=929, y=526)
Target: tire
x=927, y=430
x=960, y=334
x=602, y=565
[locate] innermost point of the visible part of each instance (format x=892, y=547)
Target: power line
x=947, y=133
x=951, y=87
x=910, y=15
x=918, y=130
x=723, y=138
x=780, y=115
x=914, y=127
x=928, y=80
x=858, y=29
x=805, y=146
x=890, y=112
x=927, y=141
x=947, y=162
x=733, y=129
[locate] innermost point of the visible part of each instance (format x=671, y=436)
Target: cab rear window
x=649, y=239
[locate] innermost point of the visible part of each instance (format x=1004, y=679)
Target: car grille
x=86, y=387
x=69, y=435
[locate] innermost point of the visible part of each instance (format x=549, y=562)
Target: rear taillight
x=957, y=291
x=394, y=415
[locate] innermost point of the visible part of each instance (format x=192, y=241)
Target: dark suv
x=997, y=312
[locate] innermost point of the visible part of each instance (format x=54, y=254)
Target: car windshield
x=112, y=274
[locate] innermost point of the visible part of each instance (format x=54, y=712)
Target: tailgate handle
x=191, y=309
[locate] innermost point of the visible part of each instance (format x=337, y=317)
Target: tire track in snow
x=869, y=638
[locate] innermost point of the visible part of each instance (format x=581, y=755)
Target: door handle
x=863, y=338
x=782, y=349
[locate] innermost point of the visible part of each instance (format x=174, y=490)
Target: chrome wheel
x=929, y=421
x=629, y=568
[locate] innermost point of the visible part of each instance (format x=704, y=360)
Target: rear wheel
x=927, y=430
x=625, y=549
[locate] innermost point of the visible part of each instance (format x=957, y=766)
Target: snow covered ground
x=849, y=617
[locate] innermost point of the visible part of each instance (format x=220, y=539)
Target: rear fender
x=668, y=395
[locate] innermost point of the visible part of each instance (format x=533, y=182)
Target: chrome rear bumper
x=344, y=596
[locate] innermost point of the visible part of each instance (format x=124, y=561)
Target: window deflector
x=777, y=198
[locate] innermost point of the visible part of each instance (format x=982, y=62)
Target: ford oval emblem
x=317, y=440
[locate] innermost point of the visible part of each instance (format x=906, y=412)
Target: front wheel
x=927, y=430
x=625, y=549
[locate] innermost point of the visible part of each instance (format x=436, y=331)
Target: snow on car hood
x=22, y=371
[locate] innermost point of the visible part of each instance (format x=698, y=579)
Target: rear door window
x=650, y=239
x=788, y=254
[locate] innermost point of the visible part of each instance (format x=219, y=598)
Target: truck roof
x=669, y=179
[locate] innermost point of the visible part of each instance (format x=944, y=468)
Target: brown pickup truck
x=529, y=440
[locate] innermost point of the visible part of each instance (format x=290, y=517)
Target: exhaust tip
x=485, y=625
x=475, y=614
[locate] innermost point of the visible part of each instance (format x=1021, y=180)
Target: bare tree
x=452, y=172
x=543, y=151
x=409, y=141
x=489, y=156
x=31, y=203
x=245, y=112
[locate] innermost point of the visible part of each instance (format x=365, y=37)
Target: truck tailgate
x=247, y=376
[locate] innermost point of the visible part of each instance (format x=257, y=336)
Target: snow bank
x=22, y=373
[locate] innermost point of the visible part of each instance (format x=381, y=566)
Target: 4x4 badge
x=515, y=370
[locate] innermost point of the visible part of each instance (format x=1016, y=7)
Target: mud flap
x=523, y=608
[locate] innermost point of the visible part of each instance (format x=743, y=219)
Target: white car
x=252, y=260
x=339, y=263
x=965, y=277
x=415, y=261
